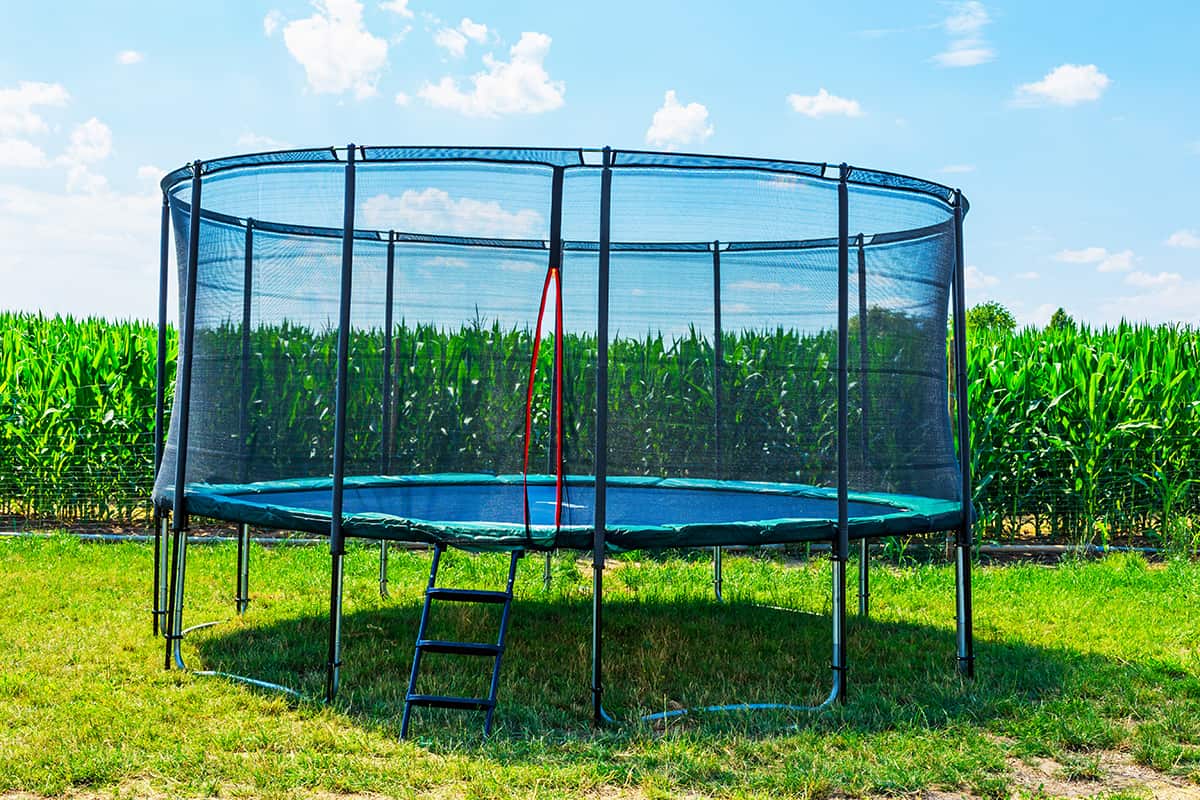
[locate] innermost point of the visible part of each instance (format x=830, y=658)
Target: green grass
x=1073, y=661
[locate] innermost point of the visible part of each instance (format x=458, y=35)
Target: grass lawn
x=1088, y=681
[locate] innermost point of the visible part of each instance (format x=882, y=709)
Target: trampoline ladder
x=479, y=649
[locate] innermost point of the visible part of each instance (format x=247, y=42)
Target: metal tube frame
x=964, y=539
x=337, y=544
x=841, y=549
x=160, y=517
x=174, y=620
x=385, y=455
x=601, y=469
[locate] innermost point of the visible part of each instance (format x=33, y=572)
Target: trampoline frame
x=170, y=558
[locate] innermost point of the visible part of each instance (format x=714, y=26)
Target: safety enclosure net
x=494, y=292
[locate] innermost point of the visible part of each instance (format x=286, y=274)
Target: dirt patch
x=1096, y=774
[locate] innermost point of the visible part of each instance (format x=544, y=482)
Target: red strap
x=551, y=274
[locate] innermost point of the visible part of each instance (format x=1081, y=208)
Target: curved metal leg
x=242, y=599
x=383, y=569
x=175, y=632
x=161, y=553
x=966, y=643
x=334, y=665
x=864, y=577
x=837, y=692
x=717, y=574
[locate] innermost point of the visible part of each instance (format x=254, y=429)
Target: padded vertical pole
x=600, y=511
x=864, y=547
x=337, y=544
x=242, y=595
x=718, y=363
x=385, y=448
x=160, y=387
x=244, y=404
x=841, y=549
x=963, y=542
x=182, y=408
x=556, y=263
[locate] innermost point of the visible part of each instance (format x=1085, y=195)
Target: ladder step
x=446, y=701
x=468, y=595
x=459, y=648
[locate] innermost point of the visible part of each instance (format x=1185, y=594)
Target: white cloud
x=17, y=115
x=1067, y=85
x=451, y=41
x=1145, y=280
x=475, y=31
x=446, y=262
x=520, y=266
x=1088, y=255
x=1117, y=262
x=1104, y=260
x=91, y=141
x=150, y=172
x=767, y=286
x=402, y=99
x=22, y=154
x=957, y=169
x=434, y=211
x=977, y=279
x=337, y=52
x=1041, y=315
x=675, y=124
x=103, y=267
x=1028, y=276
x=272, y=21
x=967, y=47
x=518, y=86
x=824, y=104
x=252, y=141
x=128, y=57
x=1183, y=238
x=397, y=6
x=1166, y=297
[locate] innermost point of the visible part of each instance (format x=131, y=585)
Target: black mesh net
x=722, y=327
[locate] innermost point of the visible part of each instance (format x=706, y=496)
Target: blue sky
x=1074, y=129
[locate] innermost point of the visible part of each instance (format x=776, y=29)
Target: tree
x=990, y=316
x=1060, y=320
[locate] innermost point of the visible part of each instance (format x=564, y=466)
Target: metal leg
x=546, y=570
x=161, y=552
x=839, y=630
x=243, y=569
x=864, y=577
x=383, y=569
x=717, y=574
x=966, y=644
x=174, y=654
x=333, y=668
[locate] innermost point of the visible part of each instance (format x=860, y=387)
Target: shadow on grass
x=658, y=656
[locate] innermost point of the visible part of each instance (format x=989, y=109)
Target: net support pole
x=556, y=262
x=718, y=359
x=182, y=408
x=385, y=448
x=841, y=548
x=600, y=511
x=963, y=540
x=337, y=543
x=242, y=594
x=159, y=517
x=864, y=548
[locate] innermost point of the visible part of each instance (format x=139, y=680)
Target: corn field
x=1077, y=434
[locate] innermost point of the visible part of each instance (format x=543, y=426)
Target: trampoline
x=535, y=349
